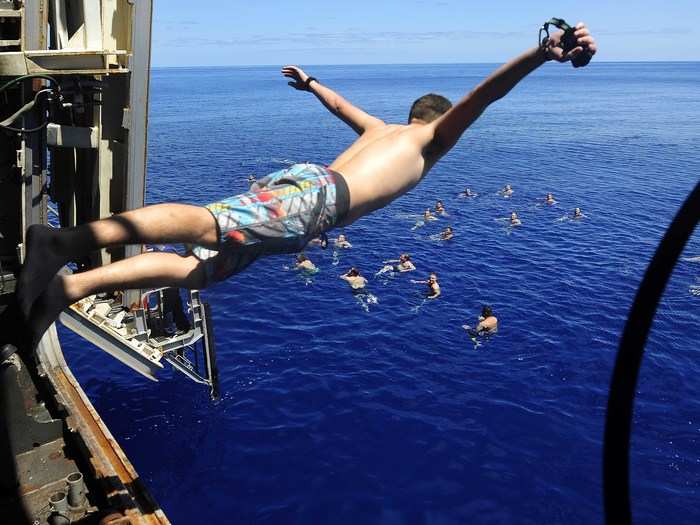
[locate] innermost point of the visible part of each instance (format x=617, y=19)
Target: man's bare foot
x=41, y=263
x=48, y=306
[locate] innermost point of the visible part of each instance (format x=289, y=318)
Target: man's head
x=486, y=311
x=429, y=107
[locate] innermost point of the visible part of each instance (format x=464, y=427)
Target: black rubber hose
x=618, y=421
x=26, y=77
x=20, y=79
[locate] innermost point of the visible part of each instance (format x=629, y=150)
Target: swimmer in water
x=578, y=214
x=514, y=220
x=507, y=191
x=428, y=216
x=549, y=199
x=354, y=279
x=251, y=179
x=488, y=324
x=433, y=291
x=342, y=242
x=468, y=193
x=446, y=234
x=439, y=208
x=403, y=264
x=321, y=240
x=304, y=264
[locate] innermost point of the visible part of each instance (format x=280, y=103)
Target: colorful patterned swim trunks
x=280, y=214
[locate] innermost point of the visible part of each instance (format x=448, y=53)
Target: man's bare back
x=382, y=164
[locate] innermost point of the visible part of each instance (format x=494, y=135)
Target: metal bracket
x=72, y=136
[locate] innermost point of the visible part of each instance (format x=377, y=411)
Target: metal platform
x=137, y=340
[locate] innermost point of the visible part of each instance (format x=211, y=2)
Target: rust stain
x=27, y=488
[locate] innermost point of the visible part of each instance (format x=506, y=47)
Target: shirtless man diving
x=281, y=213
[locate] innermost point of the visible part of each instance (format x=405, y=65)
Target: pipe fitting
x=76, y=489
x=58, y=502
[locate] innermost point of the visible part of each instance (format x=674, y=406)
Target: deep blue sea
x=379, y=409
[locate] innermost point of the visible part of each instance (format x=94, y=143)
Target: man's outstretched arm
x=341, y=108
x=449, y=127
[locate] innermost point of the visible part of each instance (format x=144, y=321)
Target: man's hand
x=297, y=75
x=584, y=40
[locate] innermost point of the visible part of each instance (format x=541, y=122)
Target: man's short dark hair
x=429, y=107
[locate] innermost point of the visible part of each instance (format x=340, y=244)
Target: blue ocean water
x=339, y=410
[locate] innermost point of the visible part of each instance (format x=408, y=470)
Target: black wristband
x=307, y=84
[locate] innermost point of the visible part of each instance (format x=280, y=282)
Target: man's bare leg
x=148, y=270
x=49, y=249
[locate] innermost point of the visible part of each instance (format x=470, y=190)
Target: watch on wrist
x=307, y=83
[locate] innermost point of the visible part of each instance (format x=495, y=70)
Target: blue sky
x=266, y=32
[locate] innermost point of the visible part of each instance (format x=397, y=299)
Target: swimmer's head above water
x=353, y=272
x=486, y=312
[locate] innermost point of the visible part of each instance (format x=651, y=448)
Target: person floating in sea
x=549, y=199
x=433, y=291
x=515, y=220
x=428, y=216
x=446, y=234
x=578, y=214
x=402, y=264
x=488, y=324
x=251, y=179
x=354, y=279
x=282, y=211
x=468, y=193
x=305, y=265
x=321, y=240
x=439, y=208
x=342, y=242
x=507, y=191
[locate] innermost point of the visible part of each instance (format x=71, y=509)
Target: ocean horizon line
x=244, y=66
